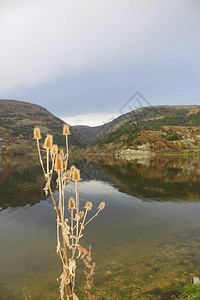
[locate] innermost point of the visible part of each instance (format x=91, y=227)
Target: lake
x=146, y=242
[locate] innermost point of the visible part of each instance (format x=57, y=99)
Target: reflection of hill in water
x=20, y=182
x=157, y=178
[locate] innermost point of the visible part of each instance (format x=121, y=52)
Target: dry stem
x=67, y=242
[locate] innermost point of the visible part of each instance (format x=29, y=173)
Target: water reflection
x=156, y=179
x=20, y=182
x=143, y=249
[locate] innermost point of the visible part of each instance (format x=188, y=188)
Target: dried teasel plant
x=69, y=228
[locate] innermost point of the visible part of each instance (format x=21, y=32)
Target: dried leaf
x=58, y=248
x=87, y=264
x=72, y=267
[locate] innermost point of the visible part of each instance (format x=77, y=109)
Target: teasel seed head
x=71, y=204
x=88, y=205
x=78, y=216
x=67, y=176
x=36, y=133
x=48, y=142
x=66, y=129
x=58, y=163
x=76, y=175
x=72, y=169
x=54, y=149
x=101, y=205
x=81, y=214
x=61, y=152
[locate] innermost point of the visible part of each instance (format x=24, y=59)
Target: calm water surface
x=146, y=242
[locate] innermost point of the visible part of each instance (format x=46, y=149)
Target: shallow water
x=146, y=242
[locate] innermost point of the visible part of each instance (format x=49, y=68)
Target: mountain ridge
x=18, y=118
x=150, y=125
x=93, y=133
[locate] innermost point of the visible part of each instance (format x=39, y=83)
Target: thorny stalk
x=69, y=232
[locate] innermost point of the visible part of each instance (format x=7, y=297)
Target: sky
x=88, y=61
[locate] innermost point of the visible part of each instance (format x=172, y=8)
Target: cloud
x=44, y=40
x=94, y=119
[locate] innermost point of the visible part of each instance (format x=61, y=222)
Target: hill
x=18, y=118
x=150, y=116
x=154, y=129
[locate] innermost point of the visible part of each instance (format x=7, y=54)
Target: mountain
x=152, y=116
x=18, y=118
x=152, y=128
x=91, y=134
x=147, y=131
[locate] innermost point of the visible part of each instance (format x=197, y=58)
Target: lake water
x=146, y=242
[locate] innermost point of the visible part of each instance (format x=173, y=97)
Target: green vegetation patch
x=190, y=291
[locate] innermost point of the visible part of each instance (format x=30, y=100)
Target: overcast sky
x=83, y=59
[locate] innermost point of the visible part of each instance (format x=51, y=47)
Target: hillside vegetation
x=17, y=120
x=155, y=129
